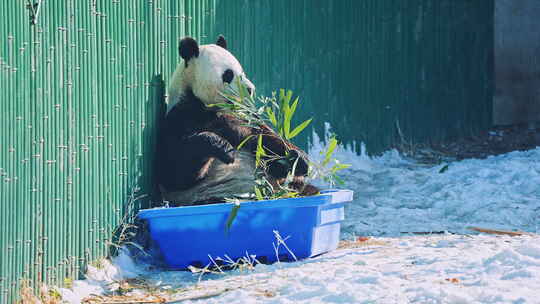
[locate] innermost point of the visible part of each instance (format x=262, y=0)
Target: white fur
x=203, y=75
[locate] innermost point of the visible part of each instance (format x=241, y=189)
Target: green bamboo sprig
x=277, y=112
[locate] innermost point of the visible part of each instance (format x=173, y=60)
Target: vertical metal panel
x=82, y=91
x=18, y=210
x=365, y=66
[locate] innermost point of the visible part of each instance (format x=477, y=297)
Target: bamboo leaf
x=286, y=110
x=288, y=97
x=259, y=152
x=286, y=107
x=300, y=128
x=258, y=194
x=222, y=105
x=338, y=179
x=287, y=128
x=293, y=170
x=293, y=107
x=272, y=116
x=231, y=217
x=342, y=166
x=337, y=167
x=244, y=142
x=242, y=92
x=286, y=120
x=281, y=97
x=331, y=147
x=443, y=169
x=230, y=96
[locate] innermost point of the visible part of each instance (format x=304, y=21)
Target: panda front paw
x=216, y=146
x=282, y=167
x=223, y=150
x=302, y=165
x=227, y=154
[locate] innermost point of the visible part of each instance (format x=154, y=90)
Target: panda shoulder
x=175, y=85
x=185, y=110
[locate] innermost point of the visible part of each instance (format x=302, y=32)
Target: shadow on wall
x=517, y=62
x=157, y=100
x=517, y=98
x=144, y=192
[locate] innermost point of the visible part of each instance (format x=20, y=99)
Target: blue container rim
x=325, y=197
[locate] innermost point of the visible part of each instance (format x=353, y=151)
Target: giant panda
x=197, y=160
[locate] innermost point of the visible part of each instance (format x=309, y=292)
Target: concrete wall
x=517, y=62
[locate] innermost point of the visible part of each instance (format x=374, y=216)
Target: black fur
x=188, y=49
x=222, y=42
x=227, y=76
x=185, y=149
x=193, y=136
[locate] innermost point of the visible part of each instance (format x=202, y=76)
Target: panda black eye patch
x=228, y=76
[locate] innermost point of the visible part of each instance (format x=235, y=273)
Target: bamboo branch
x=498, y=232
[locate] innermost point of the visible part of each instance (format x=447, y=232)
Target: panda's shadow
x=154, y=115
x=143, y=192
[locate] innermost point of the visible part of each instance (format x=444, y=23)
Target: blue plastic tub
x=191, y=235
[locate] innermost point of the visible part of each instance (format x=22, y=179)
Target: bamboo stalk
x=498, y=232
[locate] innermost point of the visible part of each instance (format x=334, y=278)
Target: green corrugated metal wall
x=81, y=90
x=366, y=65
x=80, y=94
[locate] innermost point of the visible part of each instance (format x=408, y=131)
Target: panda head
x=206, y=70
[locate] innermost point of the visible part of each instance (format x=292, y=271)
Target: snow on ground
x=395, y=196
x=447, y=269
x=410, y=269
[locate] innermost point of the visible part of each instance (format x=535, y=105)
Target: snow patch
x=396, y=195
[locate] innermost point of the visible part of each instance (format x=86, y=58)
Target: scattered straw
x=46, y=295
x=361, y=242
x=499, y=232
x=197, y=292
x=124, y=299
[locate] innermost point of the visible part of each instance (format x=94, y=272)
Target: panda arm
x=210, y=144
x=236, y=131
x=185, y=122
x=185, y=161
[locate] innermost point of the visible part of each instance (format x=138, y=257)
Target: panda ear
x=188, y=48
x=222, y=42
